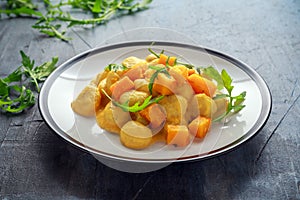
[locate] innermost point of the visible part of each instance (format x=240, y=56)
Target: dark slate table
x=37, y=164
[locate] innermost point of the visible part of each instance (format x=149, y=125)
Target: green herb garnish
x=155, y=74
x=235, y=103
x=50, y=23
x=137, y=106
x=24, y=98
x=15, y=95
x=20, y=3
x=39, y=73
x=187, y=65
x=115, y=67
x=154, y=53
x=213, y=74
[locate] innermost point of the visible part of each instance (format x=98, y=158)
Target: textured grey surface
x=36, y=164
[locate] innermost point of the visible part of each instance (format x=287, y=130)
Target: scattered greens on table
x=50, y=22
x=17, y=89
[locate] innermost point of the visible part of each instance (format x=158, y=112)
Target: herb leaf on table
x=39, y=73
x=15, y=92
x=95, y=12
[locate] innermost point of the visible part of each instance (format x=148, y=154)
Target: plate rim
x=255, y=76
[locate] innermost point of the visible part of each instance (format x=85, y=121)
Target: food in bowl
x=158, y=99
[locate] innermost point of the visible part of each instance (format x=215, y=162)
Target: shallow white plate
x=71, y=77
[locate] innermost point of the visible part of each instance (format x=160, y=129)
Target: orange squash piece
x=191, y=71
x=164, y=58
x=199, y=126
x=154, y=115
x=121, y=86
x=202, y=85
x=135, y=73
x=178, y=135
x=164, y=85
x=180, y=70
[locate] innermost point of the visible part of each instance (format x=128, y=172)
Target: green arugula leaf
x=38, y=73
x=220, y=96
x=12, y=4
x=14, y=76
x=22, y=11
x=4, y=90
x=27, y=67
x=153, y=52
x=26, y=61
x=144, y=4
x=51, y=30
x=97, y=6
x=155, y=74
x=24, y=99
x=238, y=108
x=98, y=12
x=187, y=65
x=238, y=100
x=235, y=103
x=43, y=71
x=227, y=80
x=212, y=73
x=137, y=106
x=14, y=94
x=115, y=67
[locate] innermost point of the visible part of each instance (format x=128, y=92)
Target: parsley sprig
x=235, y=103
x=137, y=106
x=15, y=92
x=96, y=12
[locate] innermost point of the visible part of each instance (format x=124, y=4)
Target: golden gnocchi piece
x=87, y=102
x=135, y=135
x=112, y=118
x=175, y=106
x=131, y=61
